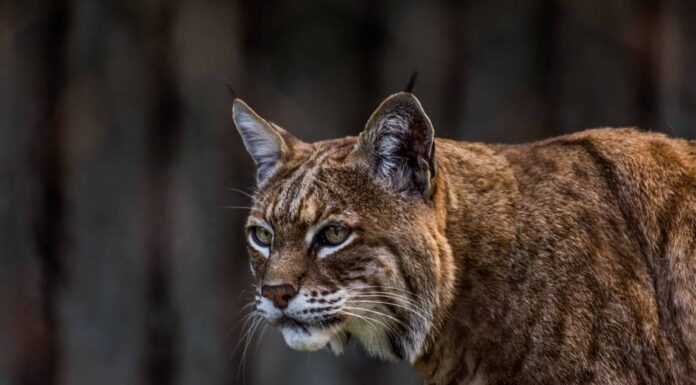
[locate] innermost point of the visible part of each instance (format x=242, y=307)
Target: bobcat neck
x=475, y=198
x=574, y=262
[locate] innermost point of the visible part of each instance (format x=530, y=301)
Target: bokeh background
x=120, y=259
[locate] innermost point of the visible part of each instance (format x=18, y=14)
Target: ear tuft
x=262, y=140
x=399, y=141
x=411, y=82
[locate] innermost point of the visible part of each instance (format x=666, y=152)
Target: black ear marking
x=411, y=82
x=230, y=91
x=229, y=88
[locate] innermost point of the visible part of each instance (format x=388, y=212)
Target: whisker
x=386, y=294
x=385, y=287
x=339, y=335
x=406, y=296
x=244, y=293
x=389, y=296
x=410, y=293
x=240, y=191
x=336, y=331
x=387, y=300
x=242, y=364
x=379, y=313
x=244, y=319
x=236, y=207
x=414, y=311
x=260, y=338
x=370, y=321
x=250, y=304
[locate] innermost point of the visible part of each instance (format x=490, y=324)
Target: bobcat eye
x=334, y=235
x=261, y=236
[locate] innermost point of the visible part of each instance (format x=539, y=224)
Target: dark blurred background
x=120, y=262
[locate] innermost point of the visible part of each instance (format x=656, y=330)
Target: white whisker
x=390, y=300
x=242, y=364
x=240, y=191
x=404, y=291
x=370, y=321
x=414, y=311
x=386, y=294
x=379, y=313
x=260, y=338
x=244, y=319
x=249, y=317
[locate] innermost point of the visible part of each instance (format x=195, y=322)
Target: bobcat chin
x=571, y=260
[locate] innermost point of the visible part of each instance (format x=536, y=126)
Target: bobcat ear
x=267, y=143
x=398, y=141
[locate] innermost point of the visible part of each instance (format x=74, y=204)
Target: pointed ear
x=268, y=144
x=398, y=141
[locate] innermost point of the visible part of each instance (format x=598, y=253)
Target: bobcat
x=566, y=261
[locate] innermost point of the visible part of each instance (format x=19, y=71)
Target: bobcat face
x=342, y=235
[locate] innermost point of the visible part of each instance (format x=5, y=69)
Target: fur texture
x=571, y=260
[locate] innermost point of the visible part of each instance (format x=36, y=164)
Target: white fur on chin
x=310, y=340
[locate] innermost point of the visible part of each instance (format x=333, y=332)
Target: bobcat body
x=571, y=260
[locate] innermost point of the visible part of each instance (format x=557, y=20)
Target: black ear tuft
x=411, y=82
x=230, y=90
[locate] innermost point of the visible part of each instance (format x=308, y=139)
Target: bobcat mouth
x=287, y=322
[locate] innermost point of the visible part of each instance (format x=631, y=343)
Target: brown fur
x=571, y=260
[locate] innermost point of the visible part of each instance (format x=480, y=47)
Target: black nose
x=279, y=294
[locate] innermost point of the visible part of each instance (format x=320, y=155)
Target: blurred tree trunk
x=31, y=192
x=207, y=250
x=119, y=263
x=511, y=76
x=605, y=65
x=674, y=46
x=161, y=344
x=106, y=106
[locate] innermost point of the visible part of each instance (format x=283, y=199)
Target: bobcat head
x=345, y=236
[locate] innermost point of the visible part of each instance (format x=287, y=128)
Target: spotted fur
x=566, y=261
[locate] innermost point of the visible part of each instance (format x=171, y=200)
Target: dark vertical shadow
x=646, y=102
x=162, y=143
x=686, y=99
x=456, y=70
x=371, y=40
x=550, y=63
x=252, y=22
x=48, y=220
x=254, y=19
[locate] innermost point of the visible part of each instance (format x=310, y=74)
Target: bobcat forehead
x=305, y=193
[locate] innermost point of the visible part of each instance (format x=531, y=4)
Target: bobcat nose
x=279, y=294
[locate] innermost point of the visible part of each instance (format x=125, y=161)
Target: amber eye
x=334, y=235
x=261, y=236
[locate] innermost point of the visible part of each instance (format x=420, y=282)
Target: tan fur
x=566, y=261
